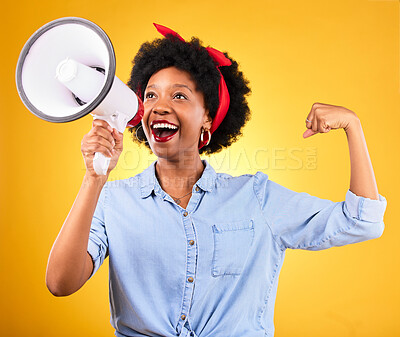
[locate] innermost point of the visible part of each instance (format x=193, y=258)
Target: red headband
x=219, y=60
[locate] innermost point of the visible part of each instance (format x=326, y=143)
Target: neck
x=179, y=176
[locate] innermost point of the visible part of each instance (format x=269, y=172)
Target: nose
x=162, y=107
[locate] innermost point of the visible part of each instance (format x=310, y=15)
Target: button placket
x=191, y=263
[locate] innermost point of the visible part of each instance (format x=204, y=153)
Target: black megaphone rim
x=104, y=91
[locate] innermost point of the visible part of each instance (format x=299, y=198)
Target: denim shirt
x=212, y=269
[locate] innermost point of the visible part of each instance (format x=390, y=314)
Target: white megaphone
x=66, y=70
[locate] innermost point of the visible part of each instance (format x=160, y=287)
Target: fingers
x=102, y=129
x=314, y=125
x=317, y=125
x=101, y=138
x=100, y=122
x=322, y=125
x=89, y=150
x=92, y=143
x=118, y=137
x=316, y=122
x=310, y=125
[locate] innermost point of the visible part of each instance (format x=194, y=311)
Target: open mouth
x=163, y=130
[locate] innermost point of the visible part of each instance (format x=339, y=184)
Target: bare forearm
x=362, y=181
x=68, y=266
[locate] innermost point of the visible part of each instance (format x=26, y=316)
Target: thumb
x=118, y=136
x=308, y=133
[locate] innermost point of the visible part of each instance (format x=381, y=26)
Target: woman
x=193, y=252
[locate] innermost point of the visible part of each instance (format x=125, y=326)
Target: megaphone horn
x=66, y=70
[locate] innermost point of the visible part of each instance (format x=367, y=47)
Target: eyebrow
x=177, y=85
x=182, y=85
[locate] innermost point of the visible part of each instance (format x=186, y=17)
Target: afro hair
x=194, y=58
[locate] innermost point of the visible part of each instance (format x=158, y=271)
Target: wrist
x=353, y=125
x=94, y=180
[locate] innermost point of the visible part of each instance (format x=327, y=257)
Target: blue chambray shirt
x=212, y=269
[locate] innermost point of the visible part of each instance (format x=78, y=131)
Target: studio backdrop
x=294, y=54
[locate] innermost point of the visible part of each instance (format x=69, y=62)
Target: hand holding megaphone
x=103, y=139
x=66, y=70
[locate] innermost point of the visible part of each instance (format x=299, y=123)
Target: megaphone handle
x=101, y=163
x=117, y=121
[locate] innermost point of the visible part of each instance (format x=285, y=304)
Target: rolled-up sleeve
x=365, y=209
x=301, y=221
x=98, y=242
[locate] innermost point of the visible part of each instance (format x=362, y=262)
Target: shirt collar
x=148, y=180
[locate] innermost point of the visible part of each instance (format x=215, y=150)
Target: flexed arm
x=324, y=117
x=299, y=220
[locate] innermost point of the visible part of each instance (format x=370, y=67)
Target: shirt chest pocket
x=232, y=242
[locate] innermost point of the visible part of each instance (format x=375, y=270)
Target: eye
x=180, y=96
x=149, y=95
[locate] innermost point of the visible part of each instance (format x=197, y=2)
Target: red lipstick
x=157, y=132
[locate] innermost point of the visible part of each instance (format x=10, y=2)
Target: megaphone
x=66, y=70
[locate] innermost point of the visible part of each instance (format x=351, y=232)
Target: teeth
x=164, y=126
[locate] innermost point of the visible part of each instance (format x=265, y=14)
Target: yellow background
x=294, y=53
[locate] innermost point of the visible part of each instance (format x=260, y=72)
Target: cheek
x=192, y=123
x=200, y=115
x=146, y=113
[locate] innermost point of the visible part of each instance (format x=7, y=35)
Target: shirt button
x=191, y=242
x=185, y=214
x=197, y=188
x=190, y=279
x=183, y=317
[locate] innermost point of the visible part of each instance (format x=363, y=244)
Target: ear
x=207, y=121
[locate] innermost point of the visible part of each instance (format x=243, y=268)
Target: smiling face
x=174, y=113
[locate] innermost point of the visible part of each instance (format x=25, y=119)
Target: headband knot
x=220, y=60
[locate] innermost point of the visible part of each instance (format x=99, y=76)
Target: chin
x=171, y=151
x=164, y=150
